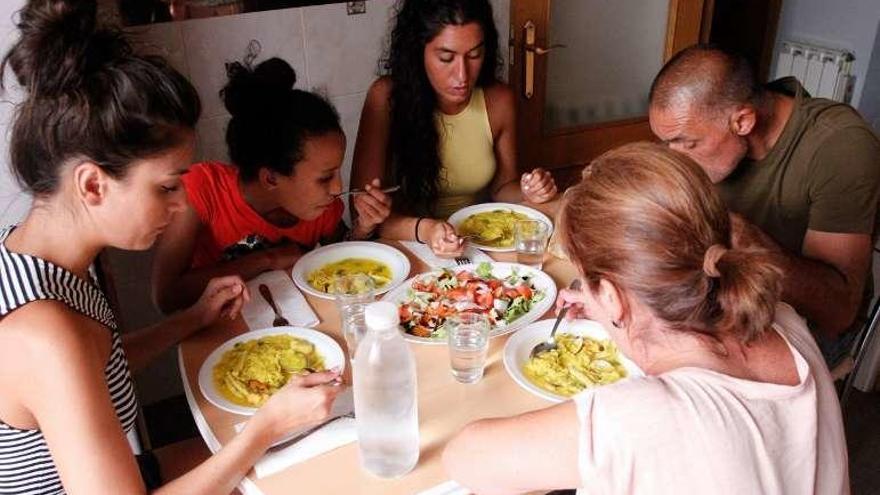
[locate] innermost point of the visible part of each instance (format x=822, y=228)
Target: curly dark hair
x=414, y=141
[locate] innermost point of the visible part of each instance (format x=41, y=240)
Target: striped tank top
x=26, y=466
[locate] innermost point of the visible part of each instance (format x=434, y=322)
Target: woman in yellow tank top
x=440, y=124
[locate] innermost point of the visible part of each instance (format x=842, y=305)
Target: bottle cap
x=381, y=315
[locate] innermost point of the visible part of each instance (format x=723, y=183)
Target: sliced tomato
x=404, y=313
x=511, y=293
x=524, y=291
x=458, y=294
x=485, y=300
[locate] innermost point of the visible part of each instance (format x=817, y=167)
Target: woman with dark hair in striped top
x=101, y=141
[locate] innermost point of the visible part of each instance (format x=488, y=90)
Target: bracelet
x=419, y=221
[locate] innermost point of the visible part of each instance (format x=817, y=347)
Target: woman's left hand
x=222, y=298
x=538, y=186
x=372, y=208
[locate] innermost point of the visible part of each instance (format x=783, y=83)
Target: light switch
x=356, y=7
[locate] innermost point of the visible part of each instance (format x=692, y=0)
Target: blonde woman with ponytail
x=736, y=398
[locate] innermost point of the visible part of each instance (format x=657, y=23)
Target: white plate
x=541, y=281
x=326, y=347
x=461, y=215
x=311, y=261
x=518, y=347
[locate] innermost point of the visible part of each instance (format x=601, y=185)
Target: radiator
x=824, y=72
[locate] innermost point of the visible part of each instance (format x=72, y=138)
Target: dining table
x=444, y=404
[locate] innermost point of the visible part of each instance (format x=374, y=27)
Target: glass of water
x=352, y=293
x=530, y=237
x=468, y=335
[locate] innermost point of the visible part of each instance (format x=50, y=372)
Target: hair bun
x=256, y=90
x=275, y=73
x=59, y=47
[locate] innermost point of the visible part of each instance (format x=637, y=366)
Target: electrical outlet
x=356, y=7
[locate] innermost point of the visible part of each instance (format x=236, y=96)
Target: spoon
x=550, y=344
x=361, y=191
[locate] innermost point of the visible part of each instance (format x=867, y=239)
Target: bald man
x=802, y=173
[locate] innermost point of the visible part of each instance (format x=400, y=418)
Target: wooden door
x=578, y=100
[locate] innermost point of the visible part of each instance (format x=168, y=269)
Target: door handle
x=543, y=51
x=529, y=51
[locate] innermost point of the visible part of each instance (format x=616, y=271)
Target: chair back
x=862, y=347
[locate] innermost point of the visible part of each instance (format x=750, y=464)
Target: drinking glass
x=352, y=293
x=468, y=335
x=530, y=238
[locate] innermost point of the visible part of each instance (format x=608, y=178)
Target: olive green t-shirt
x=822, y=174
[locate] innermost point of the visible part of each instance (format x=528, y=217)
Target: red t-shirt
x=231, y=228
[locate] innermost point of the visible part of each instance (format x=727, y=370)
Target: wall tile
x=349, y=108
x=211, y=139
x=163, y=39
x=342, y=51
x=210, y=43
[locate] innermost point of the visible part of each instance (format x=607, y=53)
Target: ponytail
x=748, y=288
x=648, y=220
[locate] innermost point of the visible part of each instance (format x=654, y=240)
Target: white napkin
x=424, y=253
x=332, y=435
x=446, y=488
x=293, y=305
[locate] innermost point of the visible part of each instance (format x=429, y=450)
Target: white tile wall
x=165, y=40
x=211, y=138
x=210, y=43
x=342, y=51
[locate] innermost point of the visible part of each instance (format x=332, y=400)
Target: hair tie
x=710, y=259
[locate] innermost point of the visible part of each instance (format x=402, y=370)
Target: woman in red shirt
x=278, y=200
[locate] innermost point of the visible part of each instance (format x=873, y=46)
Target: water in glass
x=352, y=293
x=468, y=336
x=530, y=238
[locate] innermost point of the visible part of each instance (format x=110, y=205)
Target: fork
x=462, y=260
x=279, y=320
x=386, y=190
x=300, y=436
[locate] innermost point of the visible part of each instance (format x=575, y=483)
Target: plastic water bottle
x=385, y=400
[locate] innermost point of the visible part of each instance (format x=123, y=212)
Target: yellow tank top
x=467, y=156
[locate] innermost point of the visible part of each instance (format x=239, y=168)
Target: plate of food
x=510, y=294
x=242, y=373
x=315, y=272
x=491, y=224
x=585, y=357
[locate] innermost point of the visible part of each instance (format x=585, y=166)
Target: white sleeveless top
x=26, y=466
